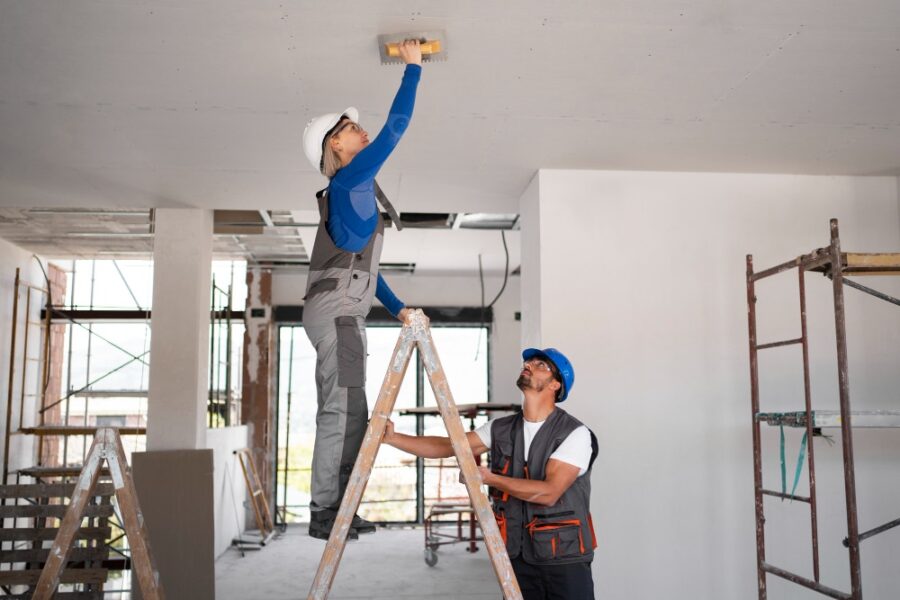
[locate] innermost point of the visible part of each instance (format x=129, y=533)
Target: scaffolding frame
x=44, y=340
x=222, y=402
x=835, y=265
x=52, y=315
x=23, y=339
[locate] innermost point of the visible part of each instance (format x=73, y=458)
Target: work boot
x=322, y=521
x=361, y=525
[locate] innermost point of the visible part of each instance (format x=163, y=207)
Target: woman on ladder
x=343, y=279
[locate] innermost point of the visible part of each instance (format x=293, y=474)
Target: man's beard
x=524, y=382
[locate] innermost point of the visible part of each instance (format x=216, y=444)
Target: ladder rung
x=51, y=511
x=813, y=585
x=32, y=534
x=32, y=576
x=78, y=430
x=777, y=344
x=876, y=531
x=46, y=472
x=257, y=493
x=47, y=490
x=786, y=496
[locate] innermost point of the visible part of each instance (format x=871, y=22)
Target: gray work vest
x=342, y=282
x=558, y=534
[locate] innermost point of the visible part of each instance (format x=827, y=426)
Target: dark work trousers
x=554, y=582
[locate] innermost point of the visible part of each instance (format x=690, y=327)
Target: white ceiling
x=168, y=104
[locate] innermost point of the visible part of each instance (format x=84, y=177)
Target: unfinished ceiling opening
x=277, y=239
x=487, y=221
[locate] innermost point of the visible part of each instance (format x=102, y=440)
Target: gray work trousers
x=342, y=416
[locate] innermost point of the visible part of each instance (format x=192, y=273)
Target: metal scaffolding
x=26, y=325
x=48, y=419
x=61, y=416
x=835, y=265
x=223, y=403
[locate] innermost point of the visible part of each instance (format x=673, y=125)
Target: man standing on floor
x=540, y=480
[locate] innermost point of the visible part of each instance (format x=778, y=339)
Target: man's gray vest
x=351, y=277
x=558, y=534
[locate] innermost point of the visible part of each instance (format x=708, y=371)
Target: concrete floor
x=385, y=565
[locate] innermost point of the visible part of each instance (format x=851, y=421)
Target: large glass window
x=394, y=490
x=102, y=334
x=463, y=352
x=226, y=337
x=106, y=361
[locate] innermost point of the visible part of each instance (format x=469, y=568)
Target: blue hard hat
x=562, y=364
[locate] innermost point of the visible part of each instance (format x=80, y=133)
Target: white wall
x=641, y=282
x=430, y=290
x=229, y=488
x=12, y=257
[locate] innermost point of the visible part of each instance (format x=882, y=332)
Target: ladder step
x=31, y=576
x=31, y=534
x=51, y=511
x=777, y=344
x=48, y=472
x=49, y=490
x=40, y=555
x=786, y=496
x=78, y=430
x=63, y=596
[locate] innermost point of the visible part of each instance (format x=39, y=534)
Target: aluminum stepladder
x=415, y=332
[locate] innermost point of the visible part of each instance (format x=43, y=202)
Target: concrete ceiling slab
x=169, y=104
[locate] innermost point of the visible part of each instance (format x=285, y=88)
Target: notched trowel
x=433, y=43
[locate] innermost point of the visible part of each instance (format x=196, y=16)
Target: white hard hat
x=317, y=129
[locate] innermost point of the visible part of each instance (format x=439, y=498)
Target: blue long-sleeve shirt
x=352, y=211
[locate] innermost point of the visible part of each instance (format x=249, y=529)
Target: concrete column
x=179, y=349
x=258, y=397
x=174, y=478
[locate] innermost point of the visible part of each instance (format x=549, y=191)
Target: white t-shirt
x=575, y=450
